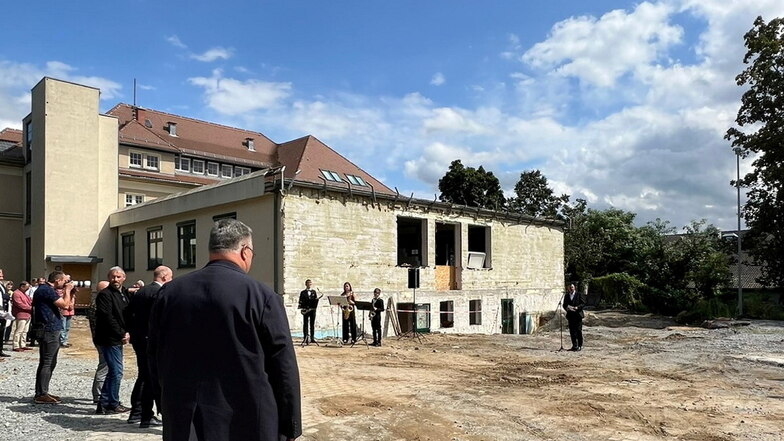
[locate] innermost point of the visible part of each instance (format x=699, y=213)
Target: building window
x=475, y=312
x=186, y=238
x=28, y=197
x=154, y=248
x=447, y=314
x=356, y=180
x=232, y=215
x=239, y=171
x=478, y=246
x=331, y=176
x=29, y=140
x=133, y=199
x=135, y=159
x=212, y=168
x=172, y=129
x=198, y=166
x=128, y=252
x=182, y=164
x=153, y=162
x=226, y=171
x=249, y=143
x=411, y=241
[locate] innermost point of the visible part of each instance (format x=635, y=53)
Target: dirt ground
x=638, y=378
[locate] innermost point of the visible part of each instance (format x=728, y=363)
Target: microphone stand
x=560, y=322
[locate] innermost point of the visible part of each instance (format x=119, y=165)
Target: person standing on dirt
x=573, y=303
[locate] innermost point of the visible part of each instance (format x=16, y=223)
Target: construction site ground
x=637, y=378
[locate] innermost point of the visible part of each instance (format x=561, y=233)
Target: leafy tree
x=472, y=187
x=760, y=131
x=534, y=197
x=600, y=242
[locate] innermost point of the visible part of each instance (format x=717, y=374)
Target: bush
x=705, y=310
x=619, y=290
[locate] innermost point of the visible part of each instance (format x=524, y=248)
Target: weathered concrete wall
x=331, y=238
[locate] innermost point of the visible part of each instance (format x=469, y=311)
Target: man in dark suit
x=376, y=308
x=308, y=302
x=137, y=320
x=221, y=350
x=573, y=303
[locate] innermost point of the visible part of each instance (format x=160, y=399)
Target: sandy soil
x=638, y=378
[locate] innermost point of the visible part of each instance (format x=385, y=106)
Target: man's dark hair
x=227, y=235
x=55, y=276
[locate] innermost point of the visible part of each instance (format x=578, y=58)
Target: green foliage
x=760, y=131
x=705, y=310
x=534, y=197
x=761, y=306
x=619, y=290
x=472, y=187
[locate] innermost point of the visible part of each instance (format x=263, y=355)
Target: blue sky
x=622, y=103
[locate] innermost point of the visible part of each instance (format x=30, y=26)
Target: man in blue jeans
x=110, y=336
x=46, y=307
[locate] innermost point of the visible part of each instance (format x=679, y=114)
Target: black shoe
x=134, y=419
x=152, y=422
x=3, y=354
x=118, y=409
x=572, y=349
x=99, y=410
x=579, y=348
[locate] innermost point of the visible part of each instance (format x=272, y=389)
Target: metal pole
x=740, y=266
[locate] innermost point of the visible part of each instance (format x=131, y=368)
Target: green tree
x=760, y=131
x=472, y=187
x=599, y=242
x=534, y=197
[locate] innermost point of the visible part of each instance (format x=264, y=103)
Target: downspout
x=276, y=226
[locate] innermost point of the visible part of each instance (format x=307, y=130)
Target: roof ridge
x=160, y=112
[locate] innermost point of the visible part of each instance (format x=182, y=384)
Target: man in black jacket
x=221, y=350
x=110, y=336
x=137, y=320
x=308, y=302
x=573, y=303
x=376, y=308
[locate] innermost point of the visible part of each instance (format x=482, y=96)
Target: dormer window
x=249, y=143
x=331, y=176
x=172, y=129
x=147, y=123
x=356, y=180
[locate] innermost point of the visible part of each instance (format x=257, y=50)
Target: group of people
x=308, y=304
x=232, y=378
x=16, y=317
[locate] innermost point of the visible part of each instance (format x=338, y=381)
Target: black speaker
x=413, y=278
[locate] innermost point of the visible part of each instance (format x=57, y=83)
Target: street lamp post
x=740, y=266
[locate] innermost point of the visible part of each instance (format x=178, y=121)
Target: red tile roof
x=11, y=135
x=310, y=156
x=149, y=128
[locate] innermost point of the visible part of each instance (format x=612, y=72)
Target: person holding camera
x=46, y=307
x=67, y=314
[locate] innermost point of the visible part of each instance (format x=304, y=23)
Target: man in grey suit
x=221, y=350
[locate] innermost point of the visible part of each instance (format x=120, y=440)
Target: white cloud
x=438, y=79
x=599, y=51
x=216, y=53
x=235, y=97
x=17, y=79
x=452, y=120
x=175, y=41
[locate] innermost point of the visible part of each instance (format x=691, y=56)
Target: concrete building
x=138, y=188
